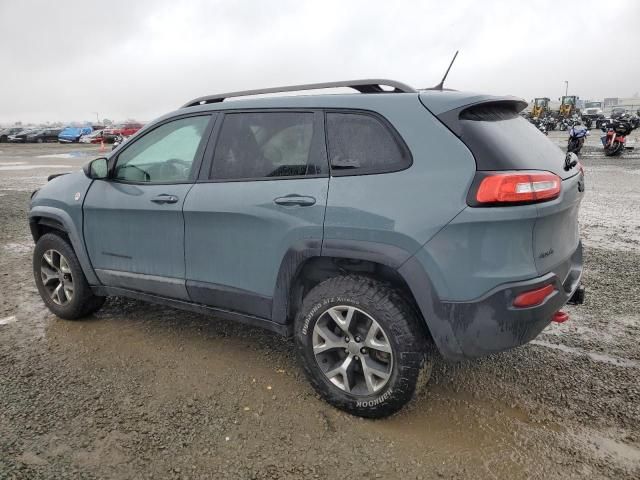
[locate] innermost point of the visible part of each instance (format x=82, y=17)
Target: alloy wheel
x=56, y=277
x=352, y=350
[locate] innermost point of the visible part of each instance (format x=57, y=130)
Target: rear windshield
x=500, y=139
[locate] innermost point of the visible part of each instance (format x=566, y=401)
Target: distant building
x=632, y=104
x=610, y=102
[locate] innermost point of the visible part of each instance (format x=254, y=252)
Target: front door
x=133, y=222
x=263, y=195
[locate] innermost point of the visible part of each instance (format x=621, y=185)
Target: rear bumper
x=491, y=323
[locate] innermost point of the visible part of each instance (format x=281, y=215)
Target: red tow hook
x=560, y=317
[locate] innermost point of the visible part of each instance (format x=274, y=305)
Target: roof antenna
x=440, y=86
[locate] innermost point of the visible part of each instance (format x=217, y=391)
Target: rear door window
x=268, y=145
x=362, y=143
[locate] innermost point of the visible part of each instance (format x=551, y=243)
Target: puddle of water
x=478, y=433
x=8, y=320
x=31, y=167
x=597, y=357
x=605, y=446
x=613, y=447
x=66, y=155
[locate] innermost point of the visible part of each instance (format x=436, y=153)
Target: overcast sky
x=64, y=60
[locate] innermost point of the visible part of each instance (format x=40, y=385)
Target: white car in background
x=93, y=137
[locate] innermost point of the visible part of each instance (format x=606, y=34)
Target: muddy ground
x=141, y=391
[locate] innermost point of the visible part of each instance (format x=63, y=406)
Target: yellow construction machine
x=540, y=107
x=568, y=105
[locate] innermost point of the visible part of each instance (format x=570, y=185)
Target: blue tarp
x=73, y=134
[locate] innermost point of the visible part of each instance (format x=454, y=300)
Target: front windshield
x=593, y=105
x=541, y=102
x=569, y=101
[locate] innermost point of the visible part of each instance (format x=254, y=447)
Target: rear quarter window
x=360, y=143
x=500, y=139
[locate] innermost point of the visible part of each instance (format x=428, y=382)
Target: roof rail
x=362, y=86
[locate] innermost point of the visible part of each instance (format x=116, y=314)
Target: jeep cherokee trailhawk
x=367, y=225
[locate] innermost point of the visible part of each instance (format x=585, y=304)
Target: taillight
x=509, y=188
x=533, y=297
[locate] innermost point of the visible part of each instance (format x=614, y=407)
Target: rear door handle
x=295, y=199
x=164, y=198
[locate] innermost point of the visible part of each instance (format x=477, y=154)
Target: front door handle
x=164, y=198
x=295, y=199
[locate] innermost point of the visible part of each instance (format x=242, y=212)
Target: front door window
x=163, y=155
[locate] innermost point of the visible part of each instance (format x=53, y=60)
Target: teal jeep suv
x=366, y=225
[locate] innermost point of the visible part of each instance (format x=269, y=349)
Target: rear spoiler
x=451, y=118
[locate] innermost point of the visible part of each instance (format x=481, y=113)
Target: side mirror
x=97, y=169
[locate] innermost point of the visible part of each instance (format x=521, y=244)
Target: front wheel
x=361, y=344
x=60, y=279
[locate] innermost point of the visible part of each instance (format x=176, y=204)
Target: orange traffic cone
x=102, y=145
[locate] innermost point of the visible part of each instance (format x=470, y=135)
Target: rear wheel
x=361, y=345
x=614, y=150
x=60, y=279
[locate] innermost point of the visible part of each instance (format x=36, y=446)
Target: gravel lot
x=141, y=391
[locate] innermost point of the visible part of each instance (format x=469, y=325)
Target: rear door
x=133, y=223
x=262, y=194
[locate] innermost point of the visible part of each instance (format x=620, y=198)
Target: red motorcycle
x=615, y=137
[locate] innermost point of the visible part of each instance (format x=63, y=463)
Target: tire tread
x=405, y=328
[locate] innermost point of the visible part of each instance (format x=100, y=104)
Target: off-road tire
x=83, y=302
x=401, y=325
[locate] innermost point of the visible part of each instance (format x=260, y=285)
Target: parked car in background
x=44, y=136
x=73, y=134
x=123, y=129
x=6, y=132
x=21, y=136
x=96, y=136
x=618, y=112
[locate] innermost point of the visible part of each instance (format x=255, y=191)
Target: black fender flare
x=77, y=242
x=403, y=262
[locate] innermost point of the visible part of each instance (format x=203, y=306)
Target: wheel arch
x=303, y=267
x=44, y=219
